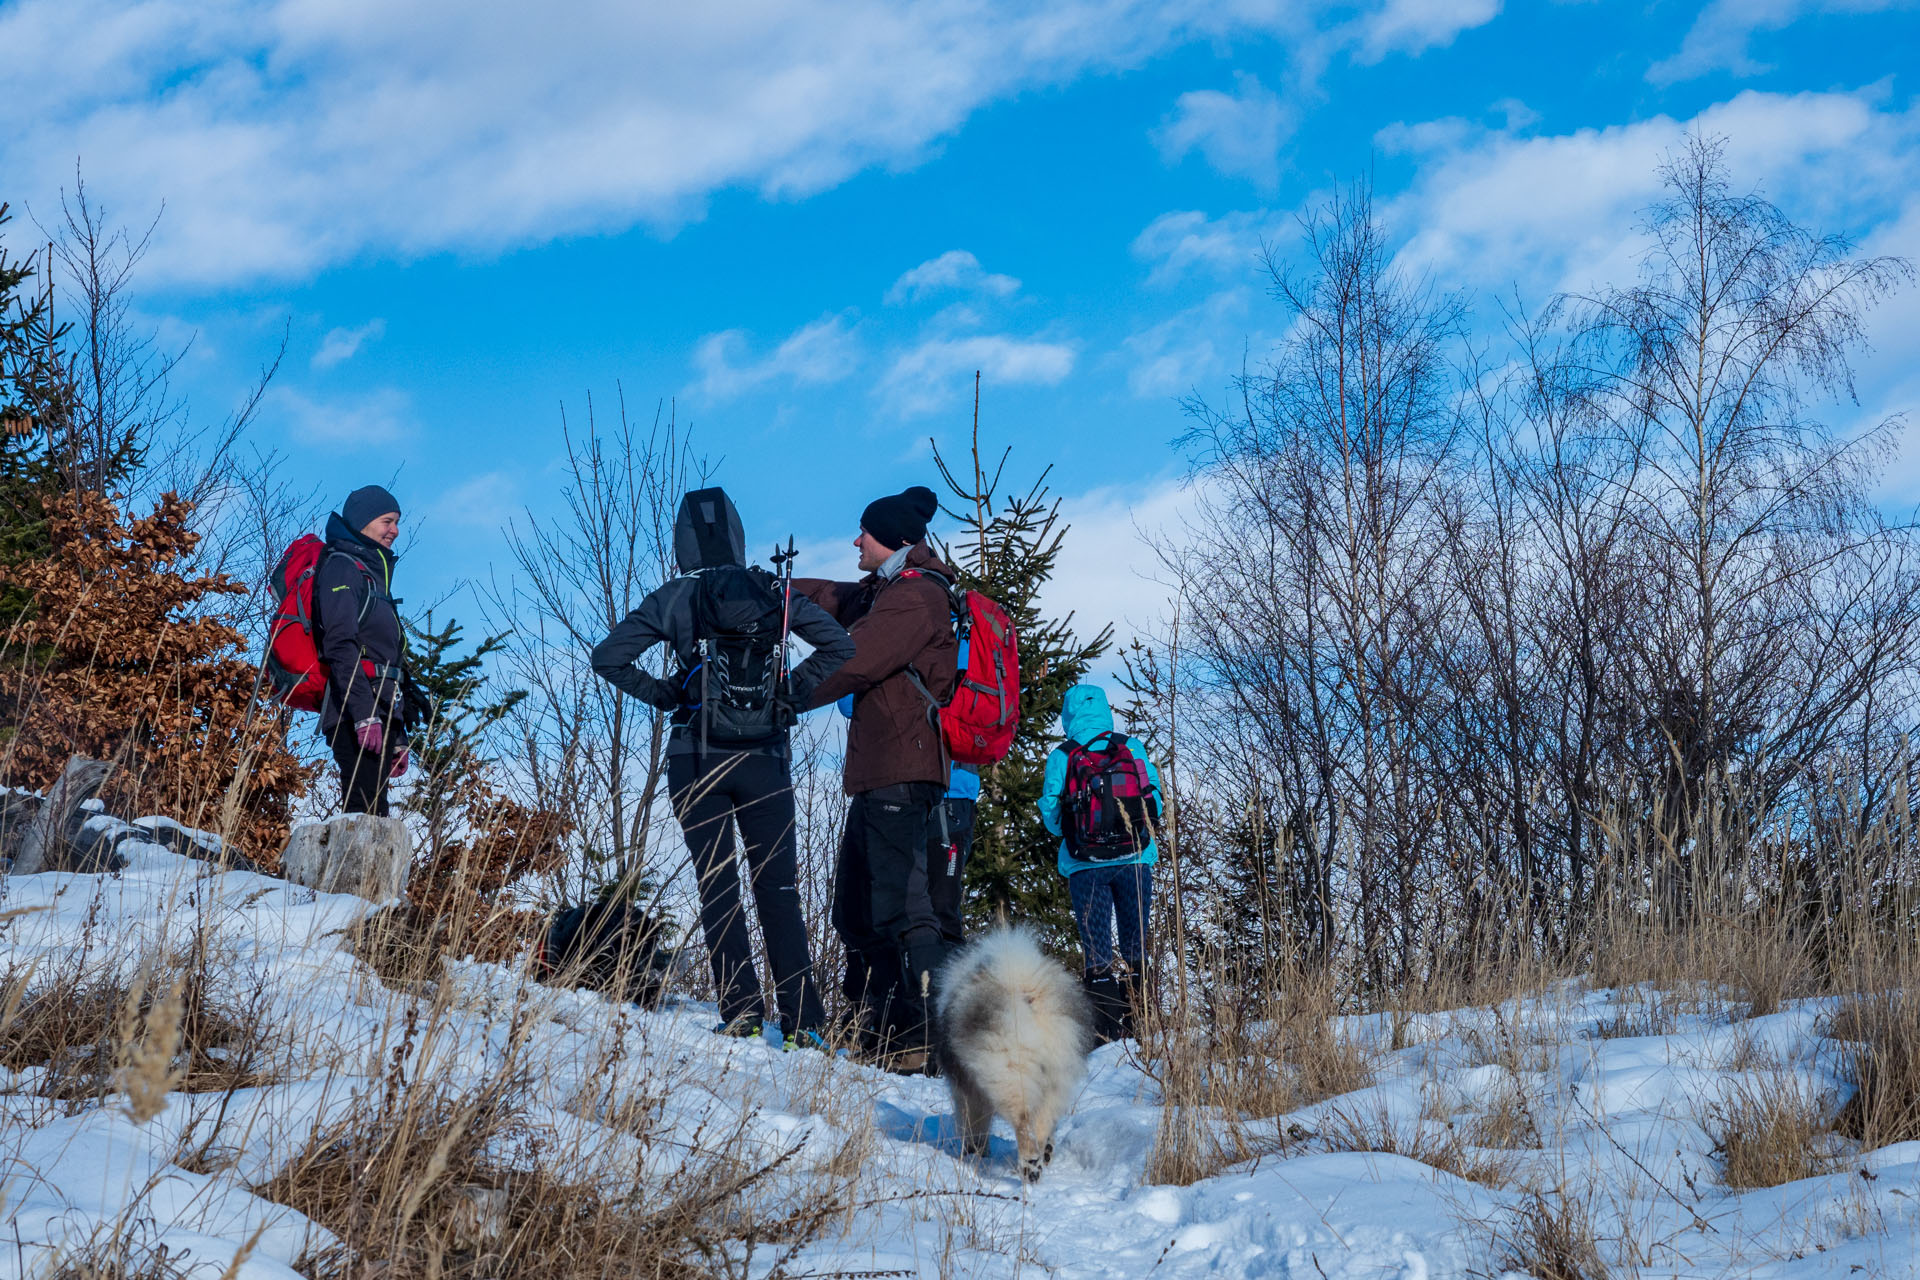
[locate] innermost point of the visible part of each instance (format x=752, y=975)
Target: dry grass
x=1768, y=1133
x=1507, y=1124
x=1441, y=1146
x=97, y=1030
x=1882, y=1031
x=427, y=1189
x=1549, y=1237
x=1243, y=1060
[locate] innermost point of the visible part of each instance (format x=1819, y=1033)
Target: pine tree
x=446, y=741
x=480, y=841
x=1007, y=550
x=30, y=344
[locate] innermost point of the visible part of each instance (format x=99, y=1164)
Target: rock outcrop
x=353, y=853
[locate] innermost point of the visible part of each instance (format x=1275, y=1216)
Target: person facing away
x=904, y=663
x=728, y=756
x=357, y=633
x=1111, y=887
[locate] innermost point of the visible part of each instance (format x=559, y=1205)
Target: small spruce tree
x=1007, y=549
x=30, y=401
x=446, y=739
x=480, y=841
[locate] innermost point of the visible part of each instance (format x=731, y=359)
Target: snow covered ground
x=1624, y=1124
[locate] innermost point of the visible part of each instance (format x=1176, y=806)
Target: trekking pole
x=783, y=565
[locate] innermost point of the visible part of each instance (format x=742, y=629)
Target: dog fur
x=1013, y=1030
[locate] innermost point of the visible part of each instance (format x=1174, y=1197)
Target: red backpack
x=293, y=663
x=1111, y=807
x=979, y=721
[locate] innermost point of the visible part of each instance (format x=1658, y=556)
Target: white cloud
x=1184, y=351
x=1719, y=37
x=482, y=501
x=341, y=345
x=379, y=417
x=827, y=350
x=928, y=376
x=1414, y=26
x=1187, y=241
x=288, y=135
x=1561, y=211
x=954, y=269
x=1238, y=133
x=1107, y=573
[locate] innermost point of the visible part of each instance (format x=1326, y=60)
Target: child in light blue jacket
x=1109, y=897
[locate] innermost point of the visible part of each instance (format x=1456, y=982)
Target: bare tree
x=1324, y=479
x=587, y=750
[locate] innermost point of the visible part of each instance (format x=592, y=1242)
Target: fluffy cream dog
x=1013, y=1034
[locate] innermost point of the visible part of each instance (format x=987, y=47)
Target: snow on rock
x=1625, y=1123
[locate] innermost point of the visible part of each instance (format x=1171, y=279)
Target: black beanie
x=900, y=519
x=367, y=504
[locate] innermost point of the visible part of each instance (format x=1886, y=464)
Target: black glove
x=785, y=712
x=662, y=696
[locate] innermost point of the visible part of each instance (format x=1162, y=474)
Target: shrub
x=125, y=655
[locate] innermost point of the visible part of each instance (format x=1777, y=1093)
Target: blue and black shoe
x=809, y=1040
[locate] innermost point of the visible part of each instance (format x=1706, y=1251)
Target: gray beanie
x=367, y=504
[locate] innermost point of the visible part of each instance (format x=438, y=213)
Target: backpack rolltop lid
x=293, y=665
x=978, y=723
x=1110, y=804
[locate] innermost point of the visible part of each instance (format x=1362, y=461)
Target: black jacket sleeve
x=340, y=594
x=832, y=647
x=653, y=622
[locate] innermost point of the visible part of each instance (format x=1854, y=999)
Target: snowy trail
x=1625, y=1133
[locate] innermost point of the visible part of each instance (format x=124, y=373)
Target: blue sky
x=807, y=225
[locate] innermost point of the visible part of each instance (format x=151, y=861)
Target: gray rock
x=190, y=843
x=96, y=846
x=353, y=853
x=49, y=841
x=18, y=809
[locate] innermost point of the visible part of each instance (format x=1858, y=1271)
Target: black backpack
x=606, y=946
x=732, y=690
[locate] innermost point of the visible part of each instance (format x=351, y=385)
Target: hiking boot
x=810, y=1040
x=1107, y=1002
x=742, y=1029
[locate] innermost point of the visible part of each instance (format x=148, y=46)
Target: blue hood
x=1084, y=713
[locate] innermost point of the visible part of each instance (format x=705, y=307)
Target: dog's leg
x=972, y=1112
x=1032, y=1161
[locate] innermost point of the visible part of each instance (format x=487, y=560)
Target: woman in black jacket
x=728, y=756
x=357, y=628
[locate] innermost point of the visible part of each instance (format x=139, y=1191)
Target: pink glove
x=399, y=764
x=367, y=734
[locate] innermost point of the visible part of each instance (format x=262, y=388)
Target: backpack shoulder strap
x=373, y=583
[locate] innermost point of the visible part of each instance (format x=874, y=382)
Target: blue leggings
x=1106, y=899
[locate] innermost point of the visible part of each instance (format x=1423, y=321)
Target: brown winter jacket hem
x=897, y=624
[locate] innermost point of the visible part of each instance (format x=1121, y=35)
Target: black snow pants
x=711, y=794
x=947, y=868
x=364, y=774
x=884, y=911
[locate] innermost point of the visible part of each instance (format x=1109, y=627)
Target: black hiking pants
x=947, y=867
x=364, y=774
x=711, y=795
x=883, y=910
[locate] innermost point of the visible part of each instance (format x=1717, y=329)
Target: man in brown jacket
x=904, y=660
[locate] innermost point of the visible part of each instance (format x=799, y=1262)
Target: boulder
x=353, y=853
x=48, y=843
x=96, y=846
x=18, y=809
x=191, y=843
